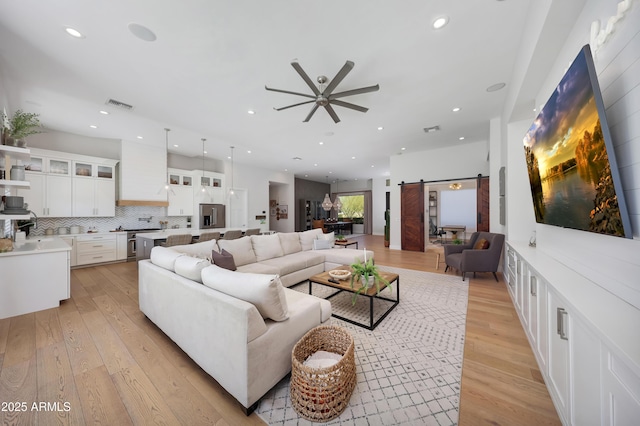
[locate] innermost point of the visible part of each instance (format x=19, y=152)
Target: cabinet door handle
x=561, y=323
x=534, y=286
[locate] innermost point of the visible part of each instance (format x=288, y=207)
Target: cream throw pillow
x=331, y=237
x=307, y=237
x=264, y=291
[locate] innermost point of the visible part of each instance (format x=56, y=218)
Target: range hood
x=142, y=170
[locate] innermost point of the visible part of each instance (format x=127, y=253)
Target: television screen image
x=570, y=159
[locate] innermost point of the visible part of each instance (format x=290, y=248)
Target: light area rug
x=408, y=368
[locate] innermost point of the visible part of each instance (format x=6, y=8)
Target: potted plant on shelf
x=21, y=125
x=368, y=275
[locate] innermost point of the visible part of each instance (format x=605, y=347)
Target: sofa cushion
x=287, y=264
x=191, y=267
x=241, y=249
x=290, y=242
x=307, y=237
x=264, y=291
x=331, y=237
x=345, y=256
x=258, y=268
x=201, y=250
x=295, y=297
x=266, y=246
x=224, y=259
x=164, y=257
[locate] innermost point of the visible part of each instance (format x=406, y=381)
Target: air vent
x=119, y=104
x=431, y=129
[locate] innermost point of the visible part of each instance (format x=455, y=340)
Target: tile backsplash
x=127, y=216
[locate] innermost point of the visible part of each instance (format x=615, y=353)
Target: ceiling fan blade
x=313, y=111
x=290, y=93
x=294, y=105
x=305, y=77
x=349, y=105
x=346, y=68
x=355, y=92
x=332, y=113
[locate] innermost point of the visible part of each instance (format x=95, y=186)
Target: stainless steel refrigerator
x=212, y=216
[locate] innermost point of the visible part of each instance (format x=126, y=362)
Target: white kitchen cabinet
x=49, y=195
x=181, y=201
x=121, y=246
x=96, y=249
x=558, y=330
x=93, y=197
x=71, y=241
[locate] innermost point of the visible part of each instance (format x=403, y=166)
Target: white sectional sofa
x=241, y=326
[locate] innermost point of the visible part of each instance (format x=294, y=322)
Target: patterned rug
x=408, y=368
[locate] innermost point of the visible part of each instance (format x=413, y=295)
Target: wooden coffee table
x=345, y=285
x=346, y=243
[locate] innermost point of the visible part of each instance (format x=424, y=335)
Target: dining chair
x=252, y=231
x=232, y=235
x=207, y=236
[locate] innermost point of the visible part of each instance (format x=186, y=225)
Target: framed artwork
x=272, y=204
x=282, y=212
x=273, y=211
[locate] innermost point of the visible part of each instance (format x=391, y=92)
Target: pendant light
x=337, y=204
x=167, y=187
x=232, y=192
x=326, y=203
x=203, y=187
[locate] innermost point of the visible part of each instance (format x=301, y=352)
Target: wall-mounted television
x=571, y=163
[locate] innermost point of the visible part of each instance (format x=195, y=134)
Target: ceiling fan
x=324, y=96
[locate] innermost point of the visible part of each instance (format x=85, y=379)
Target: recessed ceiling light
x=306, y=175
x=139, y=137
x=403, y=148
x=456, y=109
x=315, y=165
x=286, y=170
x=440, y=22
x=248, y=151
x=175, y=146
x=372, y=166
x=251, y=112
x=205, y=152
x=353, y=158
x=142, y=32
x=496, y=87
x=104, y=112
x=73, y=32
x=461, y=138
x=320, y=143
x=380, y=128
x=330, y=172
x=93, y=126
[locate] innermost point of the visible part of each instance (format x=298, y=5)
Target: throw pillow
x=223, y=259
x=191, y=267
x=331, y=237
x=481, y=244
x=263, y=291
x=321, y=244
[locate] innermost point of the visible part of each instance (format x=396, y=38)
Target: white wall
x=256, y=181
x=447, y=163
x=280, y=193
x=610, y=262
x=459, y=208
x=76, y=144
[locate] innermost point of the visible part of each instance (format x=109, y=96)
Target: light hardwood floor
x=98, y=359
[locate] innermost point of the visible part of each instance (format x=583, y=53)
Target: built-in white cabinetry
x=180, y=193
x=121, y=246
x=94, y=191
x=589, y=356
x=49, y=195
x=95, y=248
x=71, y=241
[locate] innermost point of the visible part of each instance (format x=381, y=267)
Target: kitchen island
x=35, y=276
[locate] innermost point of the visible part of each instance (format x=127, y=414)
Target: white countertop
x=163, y=234
x=47, y=244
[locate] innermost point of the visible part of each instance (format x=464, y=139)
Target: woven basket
x=322, y=394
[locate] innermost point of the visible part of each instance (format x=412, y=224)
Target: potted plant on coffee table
x=341, y=238
x=367, y=274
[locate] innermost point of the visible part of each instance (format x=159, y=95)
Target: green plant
x=361, y=272
x=340, y=237
x=23, y=124
x=457, y=241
